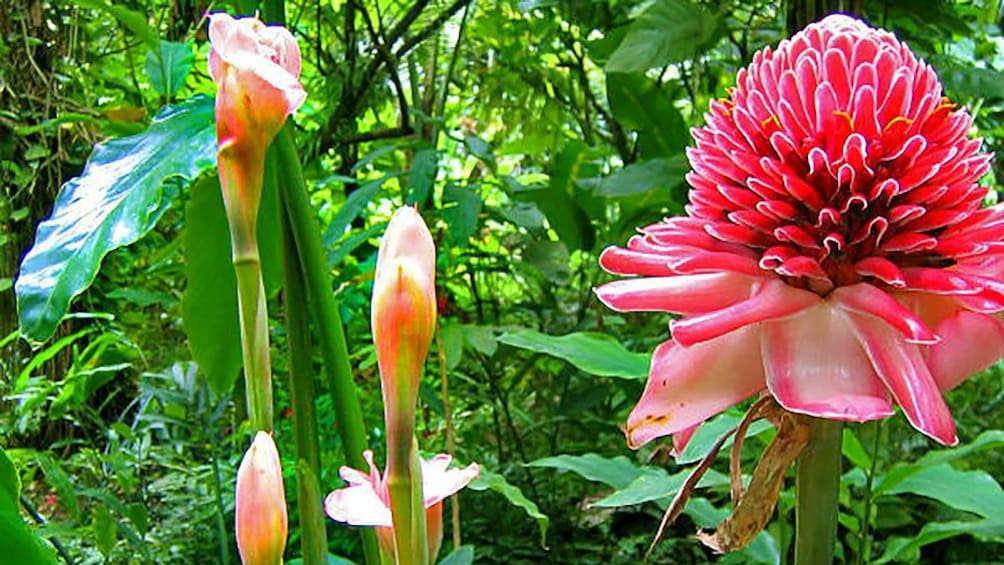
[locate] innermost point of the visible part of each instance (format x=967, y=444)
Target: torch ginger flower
x=834, y=252
x=365, y=502
x=260, y=504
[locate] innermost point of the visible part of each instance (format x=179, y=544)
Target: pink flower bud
x=404, y=312
x=257, y=71
x=261, y=521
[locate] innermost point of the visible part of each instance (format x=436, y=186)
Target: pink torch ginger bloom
x=365, y=502
x=261, y=521
x=835, y=250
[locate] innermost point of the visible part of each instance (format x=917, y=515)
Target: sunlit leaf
x=116, y=200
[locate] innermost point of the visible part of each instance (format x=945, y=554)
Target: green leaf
x=970, y=491
x=656, y=485
x=354, y=204
x=59, y=480
x=493, y=481
x=550, y=258
x=20, y=544
x=991, y=439
x=617, y=472
x=854, y=451
x=422, y=175
x=117, y=200
x=209, y=306
x=594, y=353
x=711, y=431
x=644, y=105
x=136, y=22
x=660, y=173
x=463, y=555
x=168, y=66
x=105, y=529
x=461, y=208
x=557, y=200
x=908, y=548
x=669, y=31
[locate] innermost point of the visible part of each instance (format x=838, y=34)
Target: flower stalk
x=301, y=389
x=307, y=238
x=817, y=489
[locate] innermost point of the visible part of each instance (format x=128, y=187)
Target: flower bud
x=261, y=521
x=404, y=312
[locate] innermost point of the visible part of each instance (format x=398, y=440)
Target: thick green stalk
x=817, y=488
x=404, y=488
x=306, y=234
x=301, y=387
x=245, y=172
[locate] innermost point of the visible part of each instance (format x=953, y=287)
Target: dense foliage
x=531, y=135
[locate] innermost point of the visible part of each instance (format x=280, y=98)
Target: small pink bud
x=261, y=504
x=404, y=310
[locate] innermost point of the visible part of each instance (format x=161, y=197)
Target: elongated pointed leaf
x=117, y=200
x=618, y=472
x=209, y=307
x=594, y=353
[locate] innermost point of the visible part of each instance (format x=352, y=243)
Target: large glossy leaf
x=496, y=482
x=20, y=545
x=669, y=31
x=594, y=353
x=116, y=200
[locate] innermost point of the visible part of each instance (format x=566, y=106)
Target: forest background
x=531, y=135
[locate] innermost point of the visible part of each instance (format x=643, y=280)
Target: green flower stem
x=238, y=169
x=404, y=487
x=307, y=237
x=817, y=487
x=301, y=387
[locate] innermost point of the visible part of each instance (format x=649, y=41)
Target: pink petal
x=358, y=505
x=865, y=298
x=363, y=502
x=683, y=294
x=772, y=299
x=439, y=482
x=816, y=366
x=901, y=367
x=970, y=342
x=682, y=438
x=687, y=385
